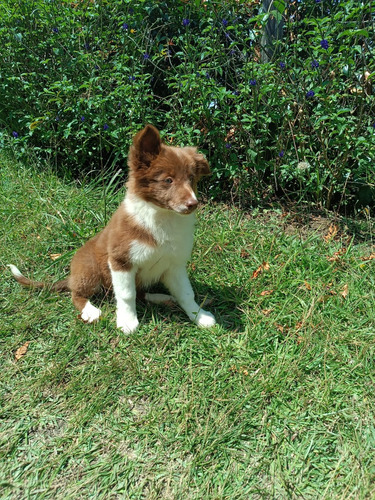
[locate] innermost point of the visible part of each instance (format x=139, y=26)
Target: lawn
x=276, y=401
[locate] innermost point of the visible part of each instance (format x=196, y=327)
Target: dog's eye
x=191, y=179
x=168, y=180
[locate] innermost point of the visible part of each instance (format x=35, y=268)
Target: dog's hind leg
x=89, y=313
x=84, y=281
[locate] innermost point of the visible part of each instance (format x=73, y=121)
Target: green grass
x=275, y=402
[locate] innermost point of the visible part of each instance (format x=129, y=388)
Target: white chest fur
x=172, y=232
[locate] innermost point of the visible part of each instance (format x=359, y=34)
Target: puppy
x=149, y=238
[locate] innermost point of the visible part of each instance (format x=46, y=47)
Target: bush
x=78, y=79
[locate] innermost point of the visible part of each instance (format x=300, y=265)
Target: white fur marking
x=194, y=196
x=15, y=271
x=90, y=313
x=125, y=293
x=204, y=319
x=166, y=262
x=164, y=225
x=177, y=281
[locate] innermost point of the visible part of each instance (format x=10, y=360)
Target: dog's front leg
x=124, y=289
x=178, y=283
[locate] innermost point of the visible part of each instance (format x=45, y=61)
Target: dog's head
x=164, y=175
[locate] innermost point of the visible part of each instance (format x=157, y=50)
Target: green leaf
x=352, y=33
x=280, y=5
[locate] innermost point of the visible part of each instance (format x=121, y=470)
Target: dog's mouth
x=184, y=210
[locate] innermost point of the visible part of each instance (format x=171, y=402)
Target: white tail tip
x=15, y=271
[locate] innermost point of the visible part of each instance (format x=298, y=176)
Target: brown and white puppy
x=148, y=239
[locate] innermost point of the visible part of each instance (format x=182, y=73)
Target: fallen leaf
x=307, y=285
x=267, y=312
x=263, y=267
x=345, y=291
x=370, y=257
x=266, y=292
x=21, y=351
x=55, y=256
x=336, y=256
x=332, y=231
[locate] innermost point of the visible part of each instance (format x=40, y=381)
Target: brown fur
x=89, y=269
x=150, y=162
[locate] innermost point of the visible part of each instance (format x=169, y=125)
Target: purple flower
x=324, y=44
x=253, y=82
x=185, y=22
x=281, y=154
x=146, y=56
x=314, y=64
x=55, y=30
x=310, y=94
x=228, y=145
x=224, y=22
x=236, y=92
x=282, y=65
x=131, y=78
x=317, y=1
x=82, y=118
x=125, y=26
x=105, y=126
x=15, y=134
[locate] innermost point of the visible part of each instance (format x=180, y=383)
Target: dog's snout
x=191, y=202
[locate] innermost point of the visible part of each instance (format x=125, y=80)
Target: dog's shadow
x=221, y=301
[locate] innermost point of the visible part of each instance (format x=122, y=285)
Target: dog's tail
x=59, y=286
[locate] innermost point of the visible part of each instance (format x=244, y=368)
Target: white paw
x=128, y=324
x=204, y=319
x=90, y=313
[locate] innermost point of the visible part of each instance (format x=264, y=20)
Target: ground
x=276, y=401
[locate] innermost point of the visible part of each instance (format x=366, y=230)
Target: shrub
x=78, y=79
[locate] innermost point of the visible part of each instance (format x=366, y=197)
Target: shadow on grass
x=221, y=301
x=306, y=220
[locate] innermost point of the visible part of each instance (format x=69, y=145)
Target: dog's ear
x=146, y=147
x=201, y=165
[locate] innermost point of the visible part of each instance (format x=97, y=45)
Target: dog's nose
x=191, y=203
